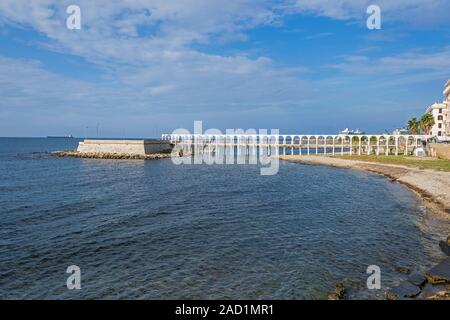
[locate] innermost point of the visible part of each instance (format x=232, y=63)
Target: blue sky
x=140, y=68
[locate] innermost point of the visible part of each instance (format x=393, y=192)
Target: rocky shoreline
x=116, y=156
x=434, y=188
x=434, y=284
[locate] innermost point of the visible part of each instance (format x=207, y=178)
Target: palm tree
x=413, y=126
x=426, y=123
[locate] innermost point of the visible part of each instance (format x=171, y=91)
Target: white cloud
x=411, y=12
x=152, y=49
x=142, y=31
x=147, y=46
x=111, y=29
x=319, y=35
x=145, y=43
x=162, y=89
x=418, y=62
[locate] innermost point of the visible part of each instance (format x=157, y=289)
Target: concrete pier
x=128, y=147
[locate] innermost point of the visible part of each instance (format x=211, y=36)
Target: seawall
x=119, y=149
x=440, y=150
x=129, y=147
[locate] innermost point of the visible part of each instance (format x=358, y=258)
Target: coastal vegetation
x=408, y=161
x=413, y=126
x=425, y=124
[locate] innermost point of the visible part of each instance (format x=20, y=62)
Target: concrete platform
x=129, y=147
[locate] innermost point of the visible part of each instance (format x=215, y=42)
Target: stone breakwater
x=116, y=156
x=434, y=187
x=124, y=147
x=120, y=150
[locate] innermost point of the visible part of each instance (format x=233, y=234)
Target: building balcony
x=447, y=91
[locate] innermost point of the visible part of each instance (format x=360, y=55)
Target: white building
x=447, y=102
x=441, y=114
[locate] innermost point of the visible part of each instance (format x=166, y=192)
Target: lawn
x=409, y=161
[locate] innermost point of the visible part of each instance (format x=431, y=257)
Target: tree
x=413, y=126
x=426, y=123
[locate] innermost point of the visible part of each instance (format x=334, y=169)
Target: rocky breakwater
x=116, y=156
x=120, y=149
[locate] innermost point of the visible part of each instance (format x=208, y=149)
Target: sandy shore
x=433, y=186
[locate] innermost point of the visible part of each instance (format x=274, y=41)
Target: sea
x=157, y=230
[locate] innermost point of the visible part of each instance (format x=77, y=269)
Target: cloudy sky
x=138, y=68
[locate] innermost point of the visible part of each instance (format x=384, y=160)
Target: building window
x=440, y=125
x=440, y=118
x=440, y=110
x=439, y=133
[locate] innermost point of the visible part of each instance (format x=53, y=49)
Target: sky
x=141, y=68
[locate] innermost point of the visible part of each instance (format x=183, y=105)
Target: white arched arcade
x=309, y=144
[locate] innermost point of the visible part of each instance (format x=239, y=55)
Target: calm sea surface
x=154, y=230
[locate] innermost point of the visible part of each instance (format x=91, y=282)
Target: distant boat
x=346, y=131
x=400, y=131
x=69, y=136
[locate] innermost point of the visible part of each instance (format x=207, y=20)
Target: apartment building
x=441, y=114
x=447, y=103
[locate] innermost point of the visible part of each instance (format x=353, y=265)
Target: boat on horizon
x=68, y=136
x=347, y=131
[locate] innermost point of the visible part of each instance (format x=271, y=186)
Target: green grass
x=409, y=161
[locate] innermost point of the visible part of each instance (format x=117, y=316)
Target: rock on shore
x=417, y=279
x=403, y=270
x=445, y=247
x=440, y=273
x=404, y=290
x=339, y=292
x=87, y=155
x=434, y=285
